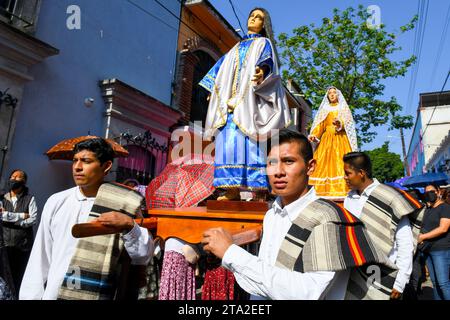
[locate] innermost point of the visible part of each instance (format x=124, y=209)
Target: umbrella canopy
x=63, y=150
x=402, y=180
x=425, y=179
x=396, y=185
x=183, y=183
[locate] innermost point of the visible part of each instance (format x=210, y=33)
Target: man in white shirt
x=289, y=165
x=358, y=175
x=54, y=245
x=308, y=243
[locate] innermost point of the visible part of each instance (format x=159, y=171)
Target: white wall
x=436, y=130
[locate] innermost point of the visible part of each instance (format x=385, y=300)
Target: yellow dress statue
x=333, y=134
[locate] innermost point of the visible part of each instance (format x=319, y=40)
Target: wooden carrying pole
x=188, y=224
x=83, y=230
x=90, y=229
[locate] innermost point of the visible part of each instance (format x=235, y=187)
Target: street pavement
x=427, y=290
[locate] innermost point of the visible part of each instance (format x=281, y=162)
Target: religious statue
x=333, y=133
x=247, y=101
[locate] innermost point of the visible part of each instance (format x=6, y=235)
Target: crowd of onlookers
x=432, y=257
x=19, y=215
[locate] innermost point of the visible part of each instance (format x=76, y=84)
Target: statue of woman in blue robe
x=247, y=101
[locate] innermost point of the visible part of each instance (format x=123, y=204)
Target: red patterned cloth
x=177, y=278
x=183, y=183
x=218, y=284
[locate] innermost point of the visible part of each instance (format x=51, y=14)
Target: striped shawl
x=381, y=214
x=326, y=237
x=95, y=266
x=383, y=210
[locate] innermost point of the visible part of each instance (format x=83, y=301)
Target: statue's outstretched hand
x=258, y=76
x=312, y=138
x=337, y=124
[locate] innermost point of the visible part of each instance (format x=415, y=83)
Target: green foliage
x=387, y=166
x=345, y=53
x=404, y=122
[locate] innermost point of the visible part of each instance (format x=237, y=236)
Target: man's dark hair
x=359, y=161
x=102, y=149
x=287, y=135
x=25, y=176
x=434, y=185
x=444, y=193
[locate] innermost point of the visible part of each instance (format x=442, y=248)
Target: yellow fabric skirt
x=328, y=177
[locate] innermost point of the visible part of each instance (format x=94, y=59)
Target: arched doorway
x=140, y=165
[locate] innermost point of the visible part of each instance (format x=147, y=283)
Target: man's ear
x=362, y=174
x=311, y=166
x=107, y=166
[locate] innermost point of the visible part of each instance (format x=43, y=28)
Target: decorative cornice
x=135, y=106
x=444, y=143
x=19, y=51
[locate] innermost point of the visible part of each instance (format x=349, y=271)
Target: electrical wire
x=434, y=109
x=441, y=45
x=418, y=44
x=235, y=14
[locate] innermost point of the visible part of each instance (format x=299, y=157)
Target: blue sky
x=289, y=14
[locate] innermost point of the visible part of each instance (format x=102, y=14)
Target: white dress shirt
x=402, y=252
x=259, y=276
x=54, y=245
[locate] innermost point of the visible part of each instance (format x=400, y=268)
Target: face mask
x=15, y=184
x=430, y=196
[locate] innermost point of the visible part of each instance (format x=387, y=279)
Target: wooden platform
x=241, y=206
x=188, y=224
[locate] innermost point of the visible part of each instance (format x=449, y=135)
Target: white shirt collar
x=80, y=196
x=293, y=209
x=367, y=191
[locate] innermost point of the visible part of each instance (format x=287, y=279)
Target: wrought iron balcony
x=21, y=14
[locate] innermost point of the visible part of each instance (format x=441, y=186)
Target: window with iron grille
x=21, y=14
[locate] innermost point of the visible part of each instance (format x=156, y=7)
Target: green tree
x=346, y=53
x=386, y=166
x=401, y=122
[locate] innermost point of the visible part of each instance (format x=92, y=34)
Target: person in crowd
x=296, y=260
x=418, y=275
x=19, y=214
x=436, y=239
x=63, y=267
x=6, y=281
x=392, y=217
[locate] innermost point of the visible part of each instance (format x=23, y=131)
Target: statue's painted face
x=255, y=22
x=332, y=95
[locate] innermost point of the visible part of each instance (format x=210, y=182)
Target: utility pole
x=405, y=161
